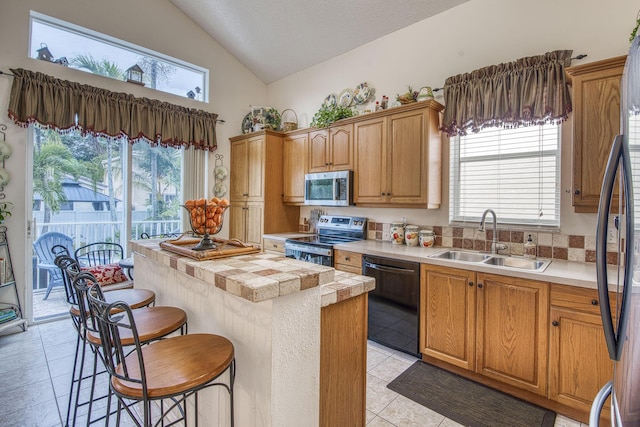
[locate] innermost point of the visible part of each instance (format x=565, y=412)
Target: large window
x=515, y=172
x=97, y=53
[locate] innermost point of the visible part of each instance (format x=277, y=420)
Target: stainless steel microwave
x=329, y=188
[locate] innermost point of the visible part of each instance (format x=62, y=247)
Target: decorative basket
x=205, y=218
x=287, y=123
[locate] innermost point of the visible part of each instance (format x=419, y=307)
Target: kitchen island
x=272, y=309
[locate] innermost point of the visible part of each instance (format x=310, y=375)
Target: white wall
x=473, y=35
x=153, y=24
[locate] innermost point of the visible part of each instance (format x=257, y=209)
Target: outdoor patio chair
x=43, y=249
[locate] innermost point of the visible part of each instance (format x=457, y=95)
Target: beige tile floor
x=36, y=370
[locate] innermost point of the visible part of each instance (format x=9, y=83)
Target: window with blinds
x=515, y=172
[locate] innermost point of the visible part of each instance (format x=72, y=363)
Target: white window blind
x=515, y=172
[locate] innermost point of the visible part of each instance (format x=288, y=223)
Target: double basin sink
x=503, y=261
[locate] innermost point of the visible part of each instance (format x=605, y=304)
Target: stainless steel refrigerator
x=621, y=317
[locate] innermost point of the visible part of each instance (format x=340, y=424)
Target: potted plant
x=328, y=114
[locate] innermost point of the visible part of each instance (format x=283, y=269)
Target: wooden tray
x=226, y=248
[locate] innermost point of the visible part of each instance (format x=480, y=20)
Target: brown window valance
x=528, y=91
x=52, y=103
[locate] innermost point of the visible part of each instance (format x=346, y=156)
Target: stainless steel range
x=332, y=230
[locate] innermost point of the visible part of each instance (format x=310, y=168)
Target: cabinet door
x=318, y=151
x=512, y=331
x=408, y=156
x=596, y=121
x=237, y=221
x=247, y=169
x=256, y=162
x=370, y=146
x=295, y=166
x=447, y=315
x=254, y=225
x=239, y=175
x=341, y=147
x=579, y=362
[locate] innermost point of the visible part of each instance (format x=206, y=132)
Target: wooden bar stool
x=155, y=323
x=174, y=368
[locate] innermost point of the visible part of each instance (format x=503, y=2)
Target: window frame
x=121, y=44
x=456, y=218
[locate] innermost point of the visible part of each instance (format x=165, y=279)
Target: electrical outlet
x=611, y=235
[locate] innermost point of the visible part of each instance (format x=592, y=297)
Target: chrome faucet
x=495, y=246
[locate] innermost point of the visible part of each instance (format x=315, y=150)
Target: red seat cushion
x=107, y=274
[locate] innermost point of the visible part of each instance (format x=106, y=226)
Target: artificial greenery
x=272, y=119
x=5, y=210
x=328, y=114
x=635, y=30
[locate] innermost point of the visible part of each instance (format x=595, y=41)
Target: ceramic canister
x=397, y=233
x=411, y=235
x=427, y=238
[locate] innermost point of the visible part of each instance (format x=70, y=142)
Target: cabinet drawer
x=348, y=258
x=348, y=268
x=273, y=245
x=574, y=298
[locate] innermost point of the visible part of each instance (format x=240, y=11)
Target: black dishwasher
x=393, y=304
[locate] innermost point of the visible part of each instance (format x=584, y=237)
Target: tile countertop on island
x=559, y=271
x=260, y=277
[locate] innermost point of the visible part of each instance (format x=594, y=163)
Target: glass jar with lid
x=397, y=233
x=411, y=235
x=427, y=238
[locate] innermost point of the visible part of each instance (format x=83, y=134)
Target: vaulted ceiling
x=277, y=38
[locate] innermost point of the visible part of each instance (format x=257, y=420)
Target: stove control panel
x=347, y=223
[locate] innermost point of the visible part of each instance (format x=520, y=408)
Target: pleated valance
x=529, y=91
x=62, y=105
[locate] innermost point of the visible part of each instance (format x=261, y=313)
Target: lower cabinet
x=579, y=363
x=343, y=363
x=246, y=222
x=347, y=261
x=273, y=246
x=493, y=325
x=544, y=339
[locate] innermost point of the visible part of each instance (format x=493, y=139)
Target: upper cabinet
x=596, y=121
x=398, y=158
x=295, y=167
x=331, y=149
x=247, y=169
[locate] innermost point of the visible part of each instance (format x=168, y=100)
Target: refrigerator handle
x=619, y=154
x=604, y=206
x=598, y=404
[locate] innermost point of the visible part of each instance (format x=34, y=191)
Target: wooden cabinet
x=579, y=363
x=256, y=188
x=493, y=325
x=596, y=121
x=512, y=331
x=347, y=261
x=447, y=321
x=295, y=167
x=343, y=363
x=273, y=246
x=331, y=149
x=398, y=158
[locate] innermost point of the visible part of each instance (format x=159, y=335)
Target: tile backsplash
x=549, y=245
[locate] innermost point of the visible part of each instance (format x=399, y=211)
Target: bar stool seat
x=135, y=298
x=152, y=323
x=176, y=365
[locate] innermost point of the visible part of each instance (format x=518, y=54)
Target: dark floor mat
x=465, y=401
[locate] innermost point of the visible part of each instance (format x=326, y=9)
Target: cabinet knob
x=347, y=258
x=555, y=323
x=382, y=194
x=330, y=163
x=594, y=302
x=470, y=283
x=388, y=194
x=576, y=192
x=326, y=163
x=275, y=246
x=245, y=194
x=480, y=285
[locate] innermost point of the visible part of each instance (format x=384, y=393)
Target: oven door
x=309, y=253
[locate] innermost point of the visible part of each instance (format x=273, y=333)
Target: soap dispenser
x=530, y=248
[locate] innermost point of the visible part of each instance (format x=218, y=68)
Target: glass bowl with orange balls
x=205, y=218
